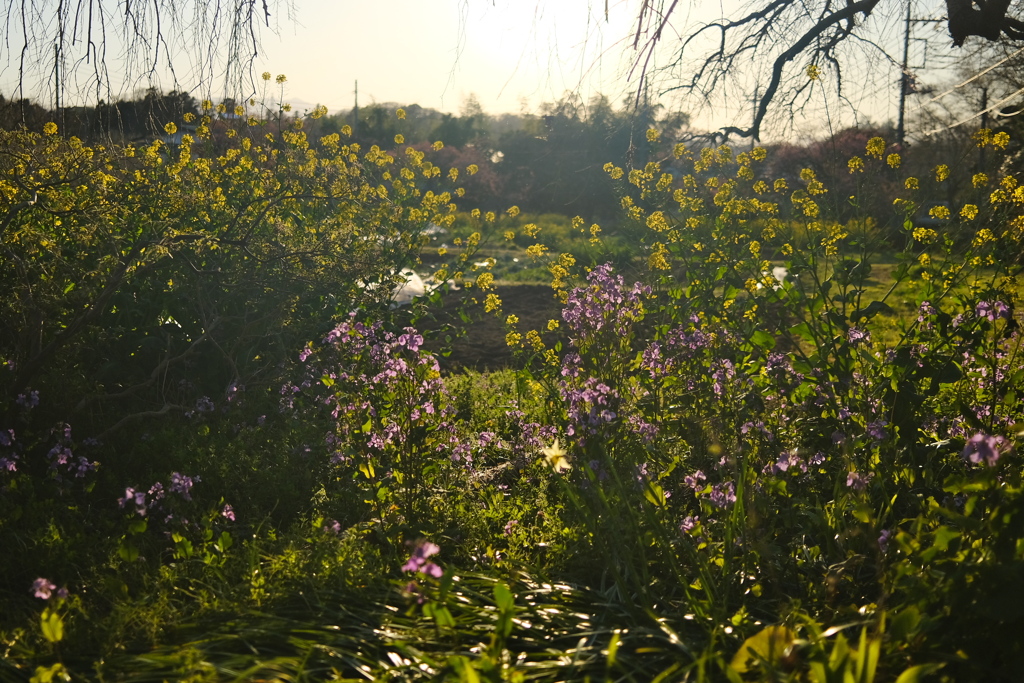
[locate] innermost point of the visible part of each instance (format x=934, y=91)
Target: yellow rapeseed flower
x=969, y=212
x=281, y=78
x=50, y=128
x=813, y=72
x=533, y=337
x=512, y=211
x=170, y=129
x=437, y=145
x=875, y=147
x=399, y=139
x=979, y=179
x=492, y=303
x=941, y=173
x=893, y=160
x=553, y=325
x=653, y=135
x=856, y=165
x=400, y=113
x=911, y=183
x=472, y=169
x=984, y=235
x=266, y=75
x=657, y=260
x=536, y=250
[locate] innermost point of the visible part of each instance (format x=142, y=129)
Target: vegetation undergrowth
x=733, y=457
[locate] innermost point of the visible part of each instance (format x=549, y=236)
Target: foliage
x=741, y=461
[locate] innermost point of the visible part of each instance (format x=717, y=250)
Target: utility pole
x=56, y=87
x=753, y=122
x=904, y=80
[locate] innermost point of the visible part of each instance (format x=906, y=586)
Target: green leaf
x=655, y=494
x=762, y=339
x=127, y=552
x=768, y=645
x=871, y=310
x=802, y=330
x=48, y=674
x=52, y=626
x=613, y=649
x=914, y=673
x=503, y=597
x=943, y=536
x=138, y=526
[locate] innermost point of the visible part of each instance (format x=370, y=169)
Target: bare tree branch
x=785, y=31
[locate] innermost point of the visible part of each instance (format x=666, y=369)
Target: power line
x=976, y=115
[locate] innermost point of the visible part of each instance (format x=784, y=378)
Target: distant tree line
x=549, y=162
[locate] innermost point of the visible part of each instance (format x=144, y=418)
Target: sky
x=437, y=53
x=511, y=55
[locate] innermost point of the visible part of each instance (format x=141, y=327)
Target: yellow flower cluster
x=492, y=303
x=875, y=147
x=536, y=251
x=658, y=258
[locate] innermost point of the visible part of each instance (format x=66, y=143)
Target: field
x=633, y=454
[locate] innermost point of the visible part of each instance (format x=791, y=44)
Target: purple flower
x=883, y=540
x=858, y=481
x=876, y=430
x=182, y=485
x=29, y=401
x=334, y=527
x=993, y=310
x=789, y=459
x=722, y=495
x=857, y=336
x=228, y=513
x=418, y=560
x=695, y=480
x=508, y=527
x=43, y=589
x=689, y=523
x=982, y=448
x=926, y=309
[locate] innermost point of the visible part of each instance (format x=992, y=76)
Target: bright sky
x=513, y=55
x=437, y=53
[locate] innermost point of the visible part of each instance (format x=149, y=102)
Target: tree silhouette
x=817, y=32
x=69, y=43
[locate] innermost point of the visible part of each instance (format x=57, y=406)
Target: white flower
x=555, y=458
